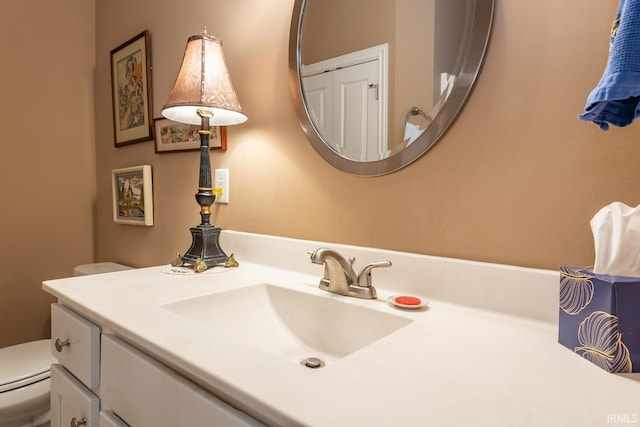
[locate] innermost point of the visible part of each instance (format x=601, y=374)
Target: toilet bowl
x=25, y=372
x=24, y=384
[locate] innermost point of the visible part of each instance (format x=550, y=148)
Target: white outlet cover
x=221, y=179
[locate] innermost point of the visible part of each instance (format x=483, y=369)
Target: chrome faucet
x=341, y=278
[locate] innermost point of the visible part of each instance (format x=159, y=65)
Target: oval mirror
x=376, y=83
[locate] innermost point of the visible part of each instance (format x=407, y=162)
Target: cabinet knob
x=60, y=345
x=76, y=423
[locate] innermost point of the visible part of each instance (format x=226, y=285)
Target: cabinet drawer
x=71, y=400
x=75, y=342
x=145, y=393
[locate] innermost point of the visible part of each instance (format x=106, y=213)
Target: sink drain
x=312, y=362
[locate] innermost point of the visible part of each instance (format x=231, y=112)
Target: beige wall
x=47, y=164
x=515, y=181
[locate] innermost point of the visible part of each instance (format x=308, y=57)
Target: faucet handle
x=364, y=277
x=364, y=288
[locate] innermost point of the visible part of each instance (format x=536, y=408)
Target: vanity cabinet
x=104, y=381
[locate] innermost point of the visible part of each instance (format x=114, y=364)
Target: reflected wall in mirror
x=376, y=83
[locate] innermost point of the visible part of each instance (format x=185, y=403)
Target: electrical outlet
x=221, y=179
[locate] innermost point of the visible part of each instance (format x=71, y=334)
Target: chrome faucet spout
x=340, y=277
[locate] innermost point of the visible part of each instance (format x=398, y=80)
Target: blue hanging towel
x=616, y=98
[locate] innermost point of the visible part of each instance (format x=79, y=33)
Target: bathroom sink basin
x=292, y=324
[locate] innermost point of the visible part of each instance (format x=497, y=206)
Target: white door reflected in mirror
x=346, y=98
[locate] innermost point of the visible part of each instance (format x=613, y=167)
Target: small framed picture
x=131, y=91
x=132, y=195
x=174, y=136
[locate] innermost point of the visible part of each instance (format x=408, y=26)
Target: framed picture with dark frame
x=174, y=136
x=132, y=91
x=132, y=190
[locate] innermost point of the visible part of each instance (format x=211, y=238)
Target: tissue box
x=600, y=318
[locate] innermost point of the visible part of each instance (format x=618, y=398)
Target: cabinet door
x=145, y=393
x=346, y=107
x=318, y=93
x=356, y=112
x=71, y=401
x=108, y=419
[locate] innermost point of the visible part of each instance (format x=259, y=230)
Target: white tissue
x=616, y=235
x=411, y=132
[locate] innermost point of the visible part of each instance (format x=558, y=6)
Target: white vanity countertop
x=454, y=365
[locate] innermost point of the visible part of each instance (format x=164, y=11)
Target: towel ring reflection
x=415, y=111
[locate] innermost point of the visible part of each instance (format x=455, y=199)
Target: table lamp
x=203, y=95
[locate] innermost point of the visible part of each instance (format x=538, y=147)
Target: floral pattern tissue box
x=600, y=318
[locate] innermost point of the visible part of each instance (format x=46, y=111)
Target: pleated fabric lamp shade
x=203, y=83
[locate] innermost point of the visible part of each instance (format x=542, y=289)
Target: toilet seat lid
x=24, y=364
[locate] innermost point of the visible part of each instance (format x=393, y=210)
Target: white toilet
x=24, y=384
x=99, y=267
x=25, y=371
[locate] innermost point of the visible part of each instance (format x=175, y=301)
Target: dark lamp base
x=205, y=246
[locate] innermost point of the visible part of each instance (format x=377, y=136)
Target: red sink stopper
x=407, y=300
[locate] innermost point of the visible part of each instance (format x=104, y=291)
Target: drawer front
x=145, y=393
x=75, y=342
x=108, y=419
x=71, y=402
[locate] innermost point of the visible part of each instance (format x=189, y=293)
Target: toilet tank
x=98, y=268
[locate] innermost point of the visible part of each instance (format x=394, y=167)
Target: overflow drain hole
x=312, y=362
